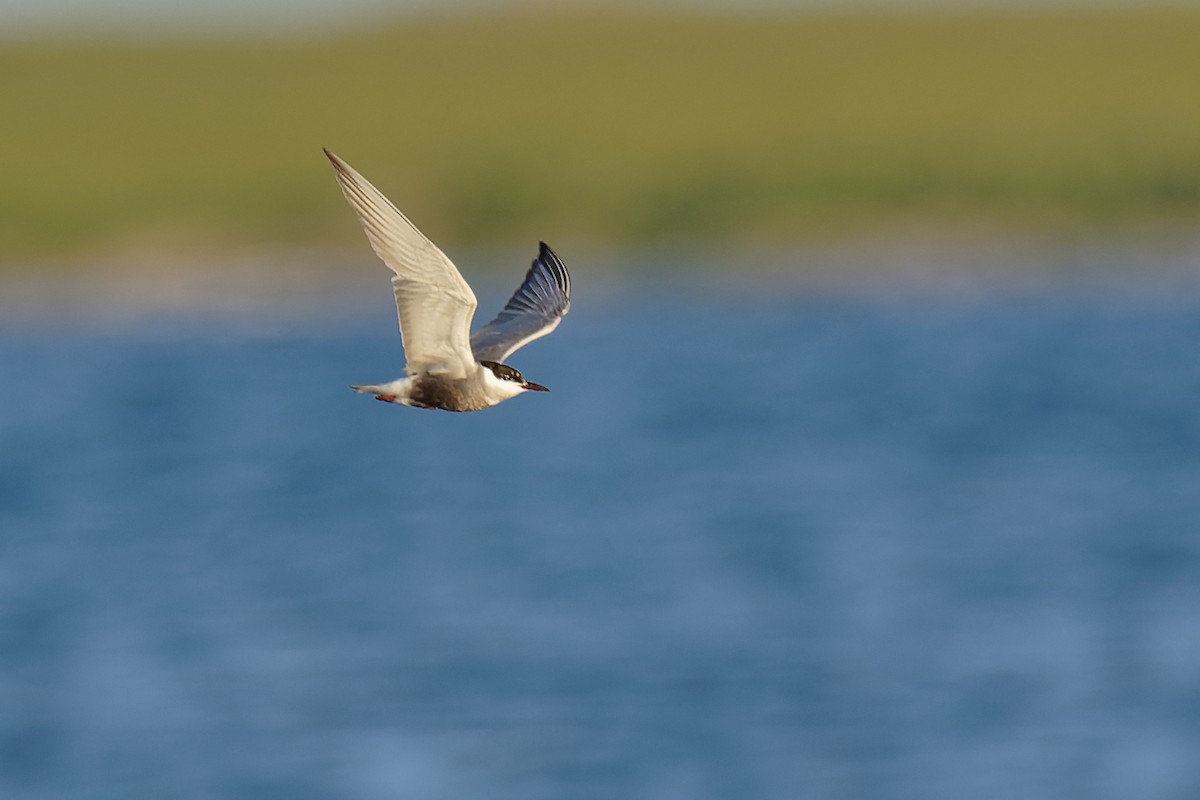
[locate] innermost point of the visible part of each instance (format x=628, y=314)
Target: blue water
x=812, y=545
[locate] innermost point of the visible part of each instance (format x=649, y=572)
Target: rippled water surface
x=802, y=546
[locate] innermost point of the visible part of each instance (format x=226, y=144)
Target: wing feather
x=533, y=311
x=435, y=305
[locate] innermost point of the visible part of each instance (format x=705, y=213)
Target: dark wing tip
x=547, y=255
x=344, y=172
x=335, y=159
x=555, y=266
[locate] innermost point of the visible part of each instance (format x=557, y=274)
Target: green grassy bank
x=614, y=127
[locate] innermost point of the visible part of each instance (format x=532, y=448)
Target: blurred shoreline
x=334, y=281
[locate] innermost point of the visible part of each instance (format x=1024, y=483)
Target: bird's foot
x=387, y=398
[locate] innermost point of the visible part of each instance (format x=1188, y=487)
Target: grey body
x=434, y=391
x=448, y=368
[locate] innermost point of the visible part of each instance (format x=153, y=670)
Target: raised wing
x=532, y=312
x=434, y=303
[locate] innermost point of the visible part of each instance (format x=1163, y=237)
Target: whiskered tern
x=447, y=367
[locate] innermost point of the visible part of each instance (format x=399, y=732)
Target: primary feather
x=435, y=305
x=534, y=310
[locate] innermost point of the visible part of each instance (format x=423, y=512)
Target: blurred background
x=871, y=462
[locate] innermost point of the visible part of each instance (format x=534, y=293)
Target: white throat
x=498, y=389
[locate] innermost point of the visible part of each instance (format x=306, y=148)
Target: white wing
x=534, y=310
x=434, y=303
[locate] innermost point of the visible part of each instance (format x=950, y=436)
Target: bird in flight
x=448, y=367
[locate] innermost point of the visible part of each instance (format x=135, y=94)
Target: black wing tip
x=554, y=264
